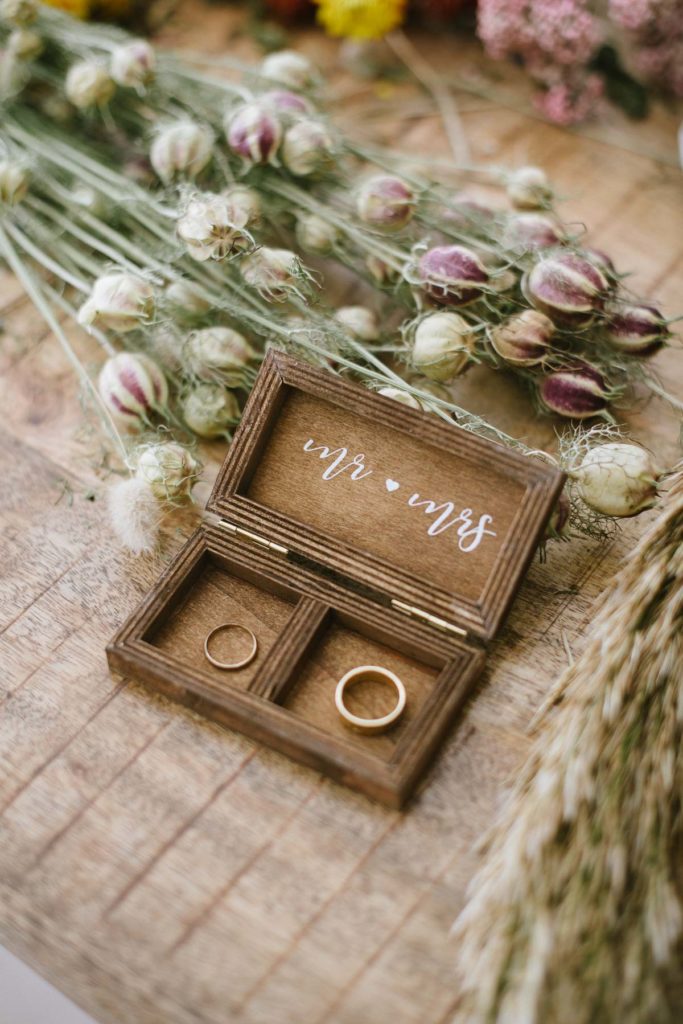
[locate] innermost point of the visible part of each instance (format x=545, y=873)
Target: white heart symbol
x=391, y=485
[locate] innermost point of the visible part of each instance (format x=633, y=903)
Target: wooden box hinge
x=256, y=538
x=434, y=620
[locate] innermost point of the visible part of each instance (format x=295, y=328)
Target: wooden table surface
x=159, y=869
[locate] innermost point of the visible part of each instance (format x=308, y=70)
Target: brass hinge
x=256, y=538
x=434, y=620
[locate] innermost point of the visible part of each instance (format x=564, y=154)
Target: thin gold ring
x=230, y=666
x=370, y=673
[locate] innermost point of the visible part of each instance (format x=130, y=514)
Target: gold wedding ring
x=370, y=673
x=230, y=666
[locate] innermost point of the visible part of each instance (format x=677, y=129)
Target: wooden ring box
x=350, y=530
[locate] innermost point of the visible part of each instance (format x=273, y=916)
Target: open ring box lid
x=397, y=538
x=394, y=501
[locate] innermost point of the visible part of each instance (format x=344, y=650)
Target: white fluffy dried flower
x=315, y=234
x=133, y=64
x=210, y=410
x=88, y=84
x=618, y=479
x=218, y=351
x=135, y=514
x=307, y=148
x=290, y=68
x=169, y=469
x=14, y=181
x=359, y=321
x=181, y=150
x=213, y=227
x=119, y=301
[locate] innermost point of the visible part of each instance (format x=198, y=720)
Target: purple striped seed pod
x=524, y=339
x=638, y=330
x=385, y=202
x=566, y=287
x=132, y=387
x=452, y=274
x=577, y=392
x=254, y=132
x=286, y=102
x=533, y=231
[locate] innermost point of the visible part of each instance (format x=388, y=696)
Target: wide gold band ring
x=370, y=673
x=230, y=666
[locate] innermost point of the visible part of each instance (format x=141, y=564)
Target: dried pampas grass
x=574, y=917
x=135, y=514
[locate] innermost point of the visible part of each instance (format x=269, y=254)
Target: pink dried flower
x=639, y=330
x=254, y=132
x=577, y=392
x=452, y=275
x=566, y=287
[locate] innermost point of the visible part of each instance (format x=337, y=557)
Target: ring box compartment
x=349, y=530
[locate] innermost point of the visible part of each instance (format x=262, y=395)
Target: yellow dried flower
x=360, y=19
x=76, y=8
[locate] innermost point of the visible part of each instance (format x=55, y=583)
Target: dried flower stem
x=574, y=916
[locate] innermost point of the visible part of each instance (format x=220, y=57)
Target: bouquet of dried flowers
x=575, y=915
x=169, y=212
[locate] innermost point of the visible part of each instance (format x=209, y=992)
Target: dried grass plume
x=575, y=915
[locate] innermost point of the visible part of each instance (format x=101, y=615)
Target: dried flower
x=360, y=19
x=533, y=231
x=132, y=387
x=443, y=346
x=135, y=514
x=307, y=148
x=618, y=479
x=386, y=202
x=290, y=68
x=218, y=351
x=639, y=330
x=529, y=189
x=523, y=339
x=275, y=273
x=210, y=410
x=169, y=469
x=315, y=234
x=19, y=12
x=119, y=301
x=183, y=149
x=402, y=396
x=254, y=132
x=286, y=102
x=452, y=274
x=246, y=204
x=14, y=182
x=380, y=271
x=88, y=84
x=25, y=44
x=184, y=299
x=133, y=64
x=359, y=321
x=566, y=287
x=213, y=227
x=577, y=391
